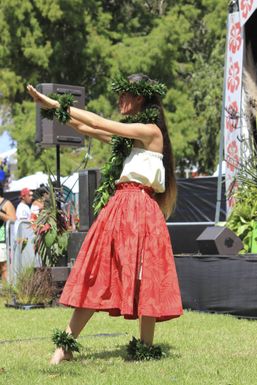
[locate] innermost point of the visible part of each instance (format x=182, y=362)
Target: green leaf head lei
x=138, y=84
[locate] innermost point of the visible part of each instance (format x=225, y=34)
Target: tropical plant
x=51, y=230
x=243, y=218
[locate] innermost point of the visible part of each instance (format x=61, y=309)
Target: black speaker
x=219, y=240
x=88, y=182
x=51, y=132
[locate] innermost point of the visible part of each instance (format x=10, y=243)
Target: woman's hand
x=43, y=100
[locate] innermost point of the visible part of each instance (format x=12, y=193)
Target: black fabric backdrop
x=196, y=200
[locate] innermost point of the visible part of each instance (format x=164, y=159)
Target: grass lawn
x=201, y=349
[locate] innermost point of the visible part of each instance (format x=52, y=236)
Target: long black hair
x=167, y=199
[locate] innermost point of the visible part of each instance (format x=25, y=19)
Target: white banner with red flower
x=233, y=91
x=246, y=9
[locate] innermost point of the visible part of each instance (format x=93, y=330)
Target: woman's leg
x=147, y=326
x=78, y=321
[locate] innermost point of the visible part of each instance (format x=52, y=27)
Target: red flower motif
x=235, y=38
x=246, y=6
x=232, y=117
x=232, y=156
x=233, y=78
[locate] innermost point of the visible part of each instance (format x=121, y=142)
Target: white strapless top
x=145, y=167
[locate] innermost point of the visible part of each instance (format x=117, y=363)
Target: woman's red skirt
x=125, y=265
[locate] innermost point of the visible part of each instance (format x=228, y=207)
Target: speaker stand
x=58, y=173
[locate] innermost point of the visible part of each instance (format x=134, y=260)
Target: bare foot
x=59, y=356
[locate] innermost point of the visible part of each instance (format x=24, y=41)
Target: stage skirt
x=125, y=265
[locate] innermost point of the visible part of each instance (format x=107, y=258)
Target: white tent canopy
x=31, y=181
x=34, y=181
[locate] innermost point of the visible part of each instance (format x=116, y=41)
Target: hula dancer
x=125, y=265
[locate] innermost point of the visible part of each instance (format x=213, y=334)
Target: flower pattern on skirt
x=125, y=265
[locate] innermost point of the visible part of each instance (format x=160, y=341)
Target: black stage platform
x=219, y=283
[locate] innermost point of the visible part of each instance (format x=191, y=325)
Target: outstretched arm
x=89, y=131
x=140, y=131
x=143, y=132
x=48, y=103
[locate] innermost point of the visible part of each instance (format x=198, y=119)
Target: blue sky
x=5, y=142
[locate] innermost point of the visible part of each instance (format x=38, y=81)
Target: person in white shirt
x=23, y=211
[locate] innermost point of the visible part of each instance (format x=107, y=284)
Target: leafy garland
x=147, y=88
x=121, y=148
x=61, y=113
x=138, y=351
x=65, y=341
x=149, y=115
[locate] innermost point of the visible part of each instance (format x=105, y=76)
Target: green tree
x=86, y=42
x=42, y=41
x=185, y=49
